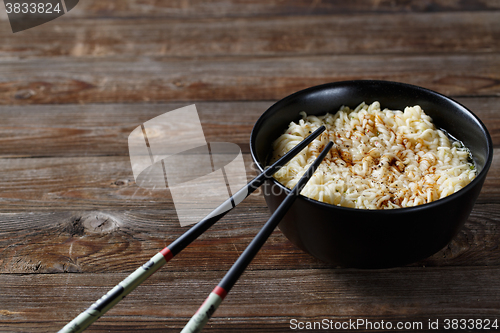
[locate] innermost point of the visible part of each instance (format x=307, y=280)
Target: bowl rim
x=479, y=177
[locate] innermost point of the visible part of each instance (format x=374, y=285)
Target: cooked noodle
x=381, y=159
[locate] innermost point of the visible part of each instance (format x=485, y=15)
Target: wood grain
x=156, y=79
x=269, y=298
x=120, y=241
x=78, y=183
x=333, y=34
x=88, y=183
x=103, y=129
x=243, y=8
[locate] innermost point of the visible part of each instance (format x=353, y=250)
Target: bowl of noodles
x=402, y=178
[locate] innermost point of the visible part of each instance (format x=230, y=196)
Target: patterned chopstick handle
x=106, y=302
x=206, y=310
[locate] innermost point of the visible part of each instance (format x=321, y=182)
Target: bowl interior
x=446, y=113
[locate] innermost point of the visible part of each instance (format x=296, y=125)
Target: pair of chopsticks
x=216, y=297
x=106, y=302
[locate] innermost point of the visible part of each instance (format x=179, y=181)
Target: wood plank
x=298, y=35
x=97, y=129
x=156, y=79
x=486, y=110
x=121, y=241
x=79, y=183
x=261, y=301
x=89, y=183
x=78, y=130
x=224, y=8
x=103, y=129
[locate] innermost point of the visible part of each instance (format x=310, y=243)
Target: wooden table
x=73, y=223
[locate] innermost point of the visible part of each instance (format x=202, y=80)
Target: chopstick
x=207, y=309
x=122, y=289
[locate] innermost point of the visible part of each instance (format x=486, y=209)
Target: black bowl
x=363, y=238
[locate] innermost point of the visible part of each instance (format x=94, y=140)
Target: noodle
x=381, y=159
